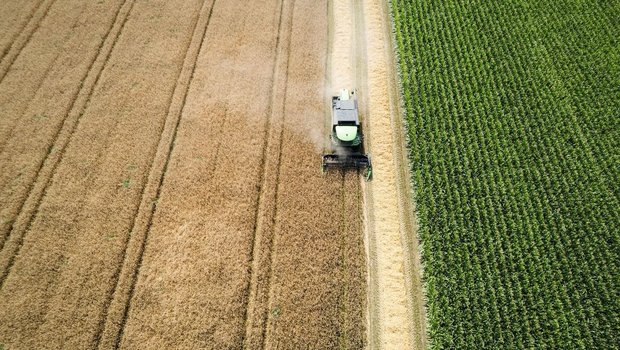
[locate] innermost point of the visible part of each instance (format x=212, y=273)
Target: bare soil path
x=396, y=316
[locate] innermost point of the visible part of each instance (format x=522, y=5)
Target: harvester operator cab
x=347, y=137
x=345, y=120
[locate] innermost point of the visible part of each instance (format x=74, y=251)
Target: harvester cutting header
x=347, y=139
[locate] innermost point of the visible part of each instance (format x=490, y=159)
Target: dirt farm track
x=160, y=182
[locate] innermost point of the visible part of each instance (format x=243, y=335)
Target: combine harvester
x=347, y=138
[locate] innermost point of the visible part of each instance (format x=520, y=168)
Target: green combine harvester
x=346, y=136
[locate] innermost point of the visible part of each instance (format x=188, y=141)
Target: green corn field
x=513, y=117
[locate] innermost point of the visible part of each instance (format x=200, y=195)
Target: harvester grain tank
x=347, y=139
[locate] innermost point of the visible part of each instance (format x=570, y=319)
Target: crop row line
x=513, y=199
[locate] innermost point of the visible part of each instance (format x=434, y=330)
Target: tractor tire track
x=312, y=299
x=81, y=236
x=11, y=12
x=116, y=307
x=207, y=203
x=21, y=93
x=29, y=208
x=24, y=37
x=70, y=78
x=256, y=309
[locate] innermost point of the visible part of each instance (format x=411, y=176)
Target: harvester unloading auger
x=346, y=136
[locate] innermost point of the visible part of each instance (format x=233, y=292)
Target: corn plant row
x=513, y=112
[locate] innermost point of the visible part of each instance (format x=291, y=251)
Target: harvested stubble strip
x=353, y=265
x=308, y=305
x=397, y=314
x=39, y=91
x=56, y=290
x=193, y=281
x=14, y=16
